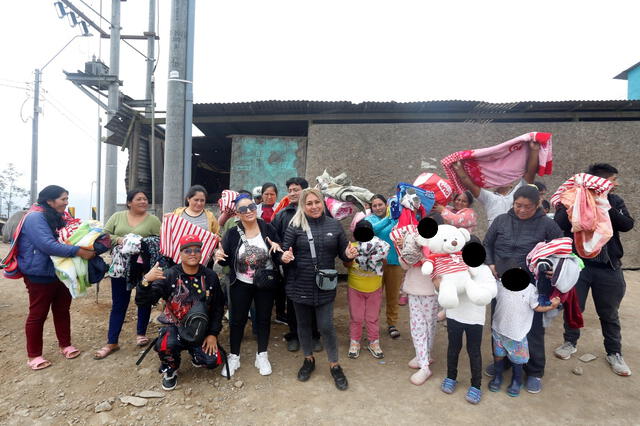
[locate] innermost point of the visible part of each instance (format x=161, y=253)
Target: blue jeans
x=120, y=298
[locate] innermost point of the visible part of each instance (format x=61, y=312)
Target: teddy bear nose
x=454, y=243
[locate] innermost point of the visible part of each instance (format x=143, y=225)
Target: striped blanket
x=501, y=164
x=585, y=198
x=174, y=227
x=227, y=200
x=558, y=247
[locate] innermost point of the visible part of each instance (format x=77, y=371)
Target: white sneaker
x=262, y=363
x=565, y=350
x=618, y=365
x=234, y=364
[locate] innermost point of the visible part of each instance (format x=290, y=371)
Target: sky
x=494, y=51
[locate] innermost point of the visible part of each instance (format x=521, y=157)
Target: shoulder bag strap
x=312, y=247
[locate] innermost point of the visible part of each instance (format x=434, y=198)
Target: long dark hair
x=193, y=191
x=54, y=219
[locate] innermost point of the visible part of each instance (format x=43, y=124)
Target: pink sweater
x=415, y=283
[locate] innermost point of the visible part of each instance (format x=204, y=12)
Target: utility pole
x=34, y=137
x=150, y=109
x=175, y=150
x=188, y=107
x=111, y=162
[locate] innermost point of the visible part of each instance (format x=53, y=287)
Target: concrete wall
x=377, y=156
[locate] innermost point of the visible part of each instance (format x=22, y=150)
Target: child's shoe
x=496, y=382
x=474, y=395
x=448, y=385
x=516, y=381
x=414, y=363
x=376, y=351
x=403, y=299
x=354, y=349
x=419, y=377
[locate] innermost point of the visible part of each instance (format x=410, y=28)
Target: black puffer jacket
x=281, y=220
x=330, y=241
x=509, y=239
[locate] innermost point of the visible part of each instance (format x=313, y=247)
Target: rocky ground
x=85, y=391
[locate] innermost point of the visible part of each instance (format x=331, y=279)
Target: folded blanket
x=542, y=250
x=175, y=227
x=74, y=271
x=585, y=198
x=341, y=189
x=227, y=200
x=501, y=164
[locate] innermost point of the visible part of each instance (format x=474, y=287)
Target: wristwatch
x=144, y=282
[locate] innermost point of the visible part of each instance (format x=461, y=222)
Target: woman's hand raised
x=287, y=256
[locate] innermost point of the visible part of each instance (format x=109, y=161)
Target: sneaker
x=339, y=378
x=419, y=377
x=281, y=320
x=234, y=363
x=262, y=363
x=534, y=384
x=317, y=345
x=474, y=395
x=414, y=363
x=307, y=368
x=169, y=380
x=354, y=349
x=565, y=350
x=293, y=345
x=374, y=348
x=618, y=365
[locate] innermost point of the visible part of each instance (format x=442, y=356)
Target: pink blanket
x=340, y=209
x=501, y=164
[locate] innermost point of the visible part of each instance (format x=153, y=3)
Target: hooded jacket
x=281, y=220
x=621, y=221
x=329, y=241
x=509, y=239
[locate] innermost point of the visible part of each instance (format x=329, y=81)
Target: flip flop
x=38, y=363
x=70, y=352
x=142, y=340
x=104, y=352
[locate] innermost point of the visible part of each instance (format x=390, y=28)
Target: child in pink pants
x=365, y=289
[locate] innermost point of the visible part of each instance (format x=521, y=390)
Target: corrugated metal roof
x=456, y=106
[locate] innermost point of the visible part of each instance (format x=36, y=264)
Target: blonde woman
x=309, y=300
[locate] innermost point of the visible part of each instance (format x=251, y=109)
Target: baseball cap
x=190, y=240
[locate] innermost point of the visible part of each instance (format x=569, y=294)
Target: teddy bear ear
x=474, y=254
x=427, y=228
x=515, y=279
x=465, y=234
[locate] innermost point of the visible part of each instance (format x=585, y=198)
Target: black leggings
x=324, y=316
x=242, y=295
x=455, y=330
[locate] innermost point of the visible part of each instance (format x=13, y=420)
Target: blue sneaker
x=448, y=385
x=474, y=395
x=534, y=384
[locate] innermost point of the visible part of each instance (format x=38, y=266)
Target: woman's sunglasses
x=195, y=250
x=246, y=209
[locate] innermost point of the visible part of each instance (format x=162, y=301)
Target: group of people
x=288, y=259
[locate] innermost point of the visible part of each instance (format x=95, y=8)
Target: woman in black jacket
x=510, y=238
x=247, y=248
x=309, y=300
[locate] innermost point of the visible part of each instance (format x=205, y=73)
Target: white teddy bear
x=456, y=276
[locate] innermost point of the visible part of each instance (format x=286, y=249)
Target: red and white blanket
x=501, y=164
x=558, y=247
x=227, y=200
x=174, y=227
x=585, y=198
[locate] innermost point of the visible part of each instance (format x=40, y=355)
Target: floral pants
x=424, y=316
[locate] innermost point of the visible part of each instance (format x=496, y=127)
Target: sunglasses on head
x=246, y=209
x=192, y=250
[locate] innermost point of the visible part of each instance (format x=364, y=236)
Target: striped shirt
x=446, y=263
x=200, y=220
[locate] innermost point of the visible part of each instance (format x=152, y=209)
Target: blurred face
x=313, y=207
x=524, y=208
x=246, y=210
x=378, y=207
x=269, y=196
x=461, y=202
x=191, y=256
x=197, y=202
x=294, y=193
x=60, y=204
x=139, y=203
x=614, y=180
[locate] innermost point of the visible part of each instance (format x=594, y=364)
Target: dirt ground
x=379, y=391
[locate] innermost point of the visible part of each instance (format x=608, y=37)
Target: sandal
x=104, y=352
x=142, y=340
x=70, y=352
x=393, y=332
x=38, y=363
